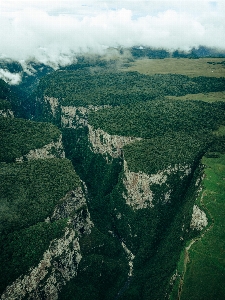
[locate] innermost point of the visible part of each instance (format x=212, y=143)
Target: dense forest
x=82, y=88
x=131, y=252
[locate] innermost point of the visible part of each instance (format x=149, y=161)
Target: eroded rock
x=139, y=194
x=6, y=113
x=60, y=261
x=51, y=150
x=199, y=219
x=106, y=144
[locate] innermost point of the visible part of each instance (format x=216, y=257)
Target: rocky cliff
x=144, y=212
x=66, y=116
x=60, y=261
x=51, y=150
x=138, y=193
x=199, y=219
x=106, y=144
x=6, y=113
x=53, y=104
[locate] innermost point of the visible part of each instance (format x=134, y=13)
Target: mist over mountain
x=54, y=34
x=112, y=149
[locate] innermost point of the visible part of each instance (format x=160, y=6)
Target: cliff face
x=106, y=144
x=74, y=207
x=199, y=219
x=76, y=117
x=60, y=261
x=6, y=113
x=137, y=208
x=58, y=265
x=138, y=193
x=57, y=262
x=51, y=150
x=73, y=117
x=67, y=116
x=53, y=104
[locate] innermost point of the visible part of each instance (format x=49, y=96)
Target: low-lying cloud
x=11, y=78
x=52, y=32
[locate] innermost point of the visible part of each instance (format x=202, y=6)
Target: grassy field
x=204, y=265
x=207, y=97
x=211, y=67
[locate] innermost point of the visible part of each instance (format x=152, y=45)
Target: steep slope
x=139, y=155
x=43, y=211
x=200, y=268
x=140, y=158
x=143, y=189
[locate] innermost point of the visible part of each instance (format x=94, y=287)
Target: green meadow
x=202, y=267
x=207, y=97
x=209, y=67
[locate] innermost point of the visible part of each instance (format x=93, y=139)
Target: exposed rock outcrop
x=106, y=144
x=53, y=104
x=60, y=261
x=131, y=257
x=74, y=207
x=58, y=265
x=75, y=117
x=199, y=219
x=68, y=116
x=51, y=150
x=6, y=113
x=138, y=193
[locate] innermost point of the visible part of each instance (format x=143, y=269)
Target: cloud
x=52, y=31
x=10, y=78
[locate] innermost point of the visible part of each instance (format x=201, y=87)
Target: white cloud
x=9, y=77
x=51, y=31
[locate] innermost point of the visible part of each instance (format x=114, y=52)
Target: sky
x=53, y=31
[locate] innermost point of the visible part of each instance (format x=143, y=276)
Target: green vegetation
x=210, y=67
x=10, y=94
x=91, y=167
x=156, y=258
x=29, y=191
x=144, y=231
x=207, y=97
x=205, y=274
x=5, y=92
x=19, y=136
x=4, y=104
x=155, y=118
x=173, y=133
x=102, y=271
x=83, y=88
x=152, y=155
x=23, y=249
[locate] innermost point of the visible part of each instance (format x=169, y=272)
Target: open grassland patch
x=207, y=97
x=205, y=260
x=210, y=67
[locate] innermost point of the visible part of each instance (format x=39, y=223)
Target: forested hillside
x=31, y=188
x=141, y=152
